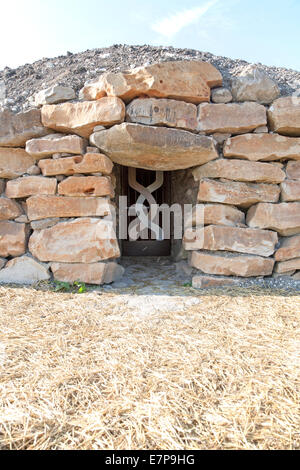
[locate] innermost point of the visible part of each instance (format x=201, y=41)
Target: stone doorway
x=147, y=188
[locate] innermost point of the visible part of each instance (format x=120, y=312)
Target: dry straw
x=77, y=373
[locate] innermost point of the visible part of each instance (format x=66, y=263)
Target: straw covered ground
x=120, y=370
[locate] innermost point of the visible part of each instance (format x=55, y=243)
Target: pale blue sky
x=266, y=31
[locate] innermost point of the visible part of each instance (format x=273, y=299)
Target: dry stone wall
x=241, y=145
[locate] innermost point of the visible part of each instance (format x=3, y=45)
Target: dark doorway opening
x=139, y=183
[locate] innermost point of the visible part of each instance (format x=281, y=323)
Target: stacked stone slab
x=241, y=144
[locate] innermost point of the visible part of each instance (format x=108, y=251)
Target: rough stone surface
x=23, y=270
x=2, y=262
x=289, y=248
x=12, y=239
x=286, y=266
x=80, y=241
x=154, y=148
x=88, y=163
x=241, y=240
x=55, y=143
x=16, y=129
x=264, y=147
x=46, y=223
x=232, y=117
x=162, y=112
x=95, y=273
x=235, y=193
x=284, y=116
x=214, y=214
x=189, y=81
x=239, y=170
x=9, y=209
x=81, y=118
x=86, y=186
x=253, y=84
x=293, y=170
x=297, y=276
x=221, y=95
x=43, y=207
x=261, y=130
x=284, y=217
x=29, y=186
x=204, y=281
x=14, y=162
x=2, y=186
x=290, y=190
x=231, y=264
x=53, y=95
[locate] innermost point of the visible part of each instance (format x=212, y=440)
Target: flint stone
x=238, y=194
x=162, y=112
x=154, y=148
x=264, y=147
x=29, y=186
x=86, y=186
x=16, y=129
x=284, y=116
x=239, y=170
x=188, y=81
x=9, y=209
x=14, y=162
x=23, y=270
x=230, y=118
x=284, y=218
x=289, y=249
x=43, y=207
x=12, y=239
x=84, y=240
x=96, y=273
x=231, y=264
x=253, y=84
x=241, y=240
x=88, y=163
x=81, y=118
x=53, y=95
x=55, y=143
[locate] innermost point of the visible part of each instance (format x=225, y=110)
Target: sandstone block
x=162, y=112
x=205, y=281
x=289, y=248
x=293, y=170
x=252, y=84
x=238, y=194
x=214, y=214
x=9, y=209
x=261, y=130
x=23, y=270
x=290, y=190
x=284, y=218
x=154, y=148
x=188, y=81
x=29, y=186
x=55, y=143
x=84, y=240
x=16, y=129
x=46, y=223
x=12, y=239
x=240, y=240
x=232, y=118
x=264, y=147
x=221, y=95
x=86, y=186
x=284, y=116
x=231, y=264
x=286, y=266
x=81, y=118
x=14, y=162
x=96, y=273
x=53, y=95
x=239, y=170
x=43, y=207
x=88, y=163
